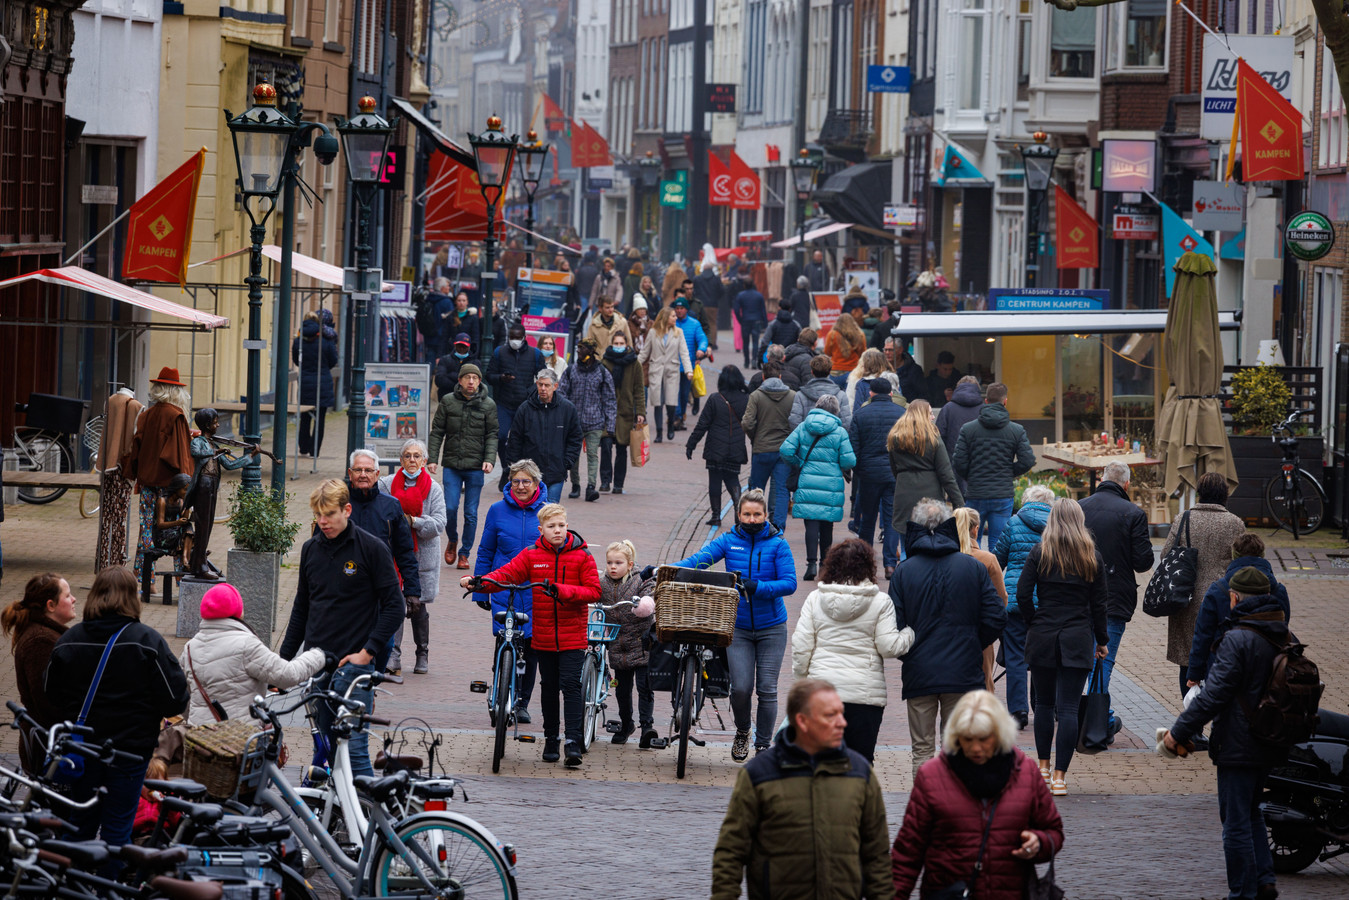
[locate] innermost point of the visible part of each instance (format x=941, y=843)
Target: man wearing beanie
x=464, y=436
x=868, y=431
x=1247, y=550
x=348, y=603
x=1237, y=675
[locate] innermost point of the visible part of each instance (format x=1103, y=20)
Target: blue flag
x=956, y=169
x=1177, y=238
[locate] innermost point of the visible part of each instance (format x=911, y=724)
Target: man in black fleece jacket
x=347, y=603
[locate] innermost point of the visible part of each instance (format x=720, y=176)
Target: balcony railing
x=846, y=128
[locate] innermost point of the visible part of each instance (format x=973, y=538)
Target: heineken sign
x=1309, y=236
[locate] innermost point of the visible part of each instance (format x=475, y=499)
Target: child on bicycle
x=561, y=560
x=628, y=653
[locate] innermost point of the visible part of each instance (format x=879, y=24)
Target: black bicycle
x=507, y=669
x=1295, y=499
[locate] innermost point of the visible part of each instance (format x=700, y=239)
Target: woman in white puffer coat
x=846, y=631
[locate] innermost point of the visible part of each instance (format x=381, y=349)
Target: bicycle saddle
x=204, y=814
x=90, y=853
x=177, y=787
x=152, y=859
x=175, y=889
x=381, y=789
x=397, y=762
x=521, y=618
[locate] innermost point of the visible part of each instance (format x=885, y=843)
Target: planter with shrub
x=1260, y=399
x=262, y=534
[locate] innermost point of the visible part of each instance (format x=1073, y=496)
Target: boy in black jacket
x=348, y=603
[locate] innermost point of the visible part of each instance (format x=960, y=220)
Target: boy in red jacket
x=561, y=560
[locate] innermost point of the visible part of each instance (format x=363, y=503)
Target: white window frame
x=1040, y=60
x=299, y=19
x=332, y=21
x=1333, y=138
x=964, y=16
x=1116, y=41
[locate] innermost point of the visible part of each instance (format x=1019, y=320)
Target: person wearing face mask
x=630, y=387
x=551, y=358
x=447, y=367
x=423, y=501
x=510, y=373
x=590, y=388
x=464, y=320
x=34, y=623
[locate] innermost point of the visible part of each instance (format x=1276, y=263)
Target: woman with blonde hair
x=1066, y=630
x=980, y=779
x=666, y=354
x=919, y=462
x=967, y=524
x=844, y=345
x=872, y=364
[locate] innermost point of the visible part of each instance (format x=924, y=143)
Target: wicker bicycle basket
x=213, y=754
x=695, y=602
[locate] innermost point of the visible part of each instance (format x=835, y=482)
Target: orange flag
x=1270, y=131
x=718, y=181
x=553, y=117
x=744, y=184
x=159, y=226
x=588, y=148
x=1076, y=234
x=455, y=209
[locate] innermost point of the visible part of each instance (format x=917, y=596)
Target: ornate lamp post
x=494, y=153
x=1039, y=163
x=261, y=138
x=365, y=143
x=804, y=172
x=533, y=156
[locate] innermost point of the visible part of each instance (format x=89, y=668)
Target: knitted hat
x=469, y=369
x=638, y=302
x=680, y=301
x=1250, y=581
x=880, y=386
x=222, y=602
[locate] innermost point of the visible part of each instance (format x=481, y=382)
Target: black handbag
x=1093, y=714
x=961, y=889
x=1038, y=888
x=1172, y=585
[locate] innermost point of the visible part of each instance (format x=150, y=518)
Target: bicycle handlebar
x=1293, y=416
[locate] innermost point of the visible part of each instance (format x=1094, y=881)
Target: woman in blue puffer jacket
x=1017, y=540
x=820, y=448
x=512, y=524
x=757, y=552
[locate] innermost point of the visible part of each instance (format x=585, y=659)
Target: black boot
x=670, y=419
x=659, y=437
x=810, y=571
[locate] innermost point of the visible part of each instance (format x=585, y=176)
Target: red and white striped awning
x=813, y=234
x=83, y=279
x=316, y=269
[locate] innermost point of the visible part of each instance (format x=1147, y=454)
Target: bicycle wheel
x=40, y=451
x=469, y=865
x=590, y=689
x=687, y=685
x=1299, y=510
x=501, y=703
x=91, y=500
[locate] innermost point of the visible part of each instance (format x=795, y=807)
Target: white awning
x=1126, y=321
x=813, y=234
x=316, y=269
x=84, y=280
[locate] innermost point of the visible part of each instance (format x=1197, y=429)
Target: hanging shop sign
x=1047, y=299
x=1129, y=166
x=900, y=216
x=1218, y=205
x=674, y=193
x=721, y=98
x=1270, y=55
x=1134, y=226
x=888, y=79
x=1309, y=236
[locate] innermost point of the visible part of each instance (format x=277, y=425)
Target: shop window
x=1136, y=35
x=973, y=33
x=1023, y=44
x=1072, y=43
x=1334, y=133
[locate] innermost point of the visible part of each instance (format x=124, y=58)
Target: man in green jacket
x=767, y=423
x=806, y=817
x=466, y=426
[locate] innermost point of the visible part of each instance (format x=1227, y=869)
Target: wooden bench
x=73, y=480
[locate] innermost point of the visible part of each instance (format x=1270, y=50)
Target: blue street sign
x=1047, y=299
x=887, y=79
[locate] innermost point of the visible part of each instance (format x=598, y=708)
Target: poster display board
x=828, y=305
x=869, y=280
x=398, y=405
x=544, y=294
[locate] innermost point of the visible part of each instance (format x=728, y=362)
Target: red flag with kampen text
x=159, y=226
x=1076, y=234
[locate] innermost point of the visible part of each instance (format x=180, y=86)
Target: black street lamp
x=494, y=153
x=649, y=169
x=261, y=138
x=533, y=157
x=805, y=170
x=1038, y=159
x=365, y=144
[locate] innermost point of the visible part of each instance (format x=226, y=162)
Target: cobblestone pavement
x=1124, y=803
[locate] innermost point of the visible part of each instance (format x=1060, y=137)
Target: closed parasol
x=1190, y=432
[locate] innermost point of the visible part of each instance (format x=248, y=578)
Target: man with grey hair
x=1120, y=529
x=381, y=515
x=436, y=323
x=775, y=353
x=948, y=606
x=546, y=429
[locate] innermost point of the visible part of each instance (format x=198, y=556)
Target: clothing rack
x=399, y=340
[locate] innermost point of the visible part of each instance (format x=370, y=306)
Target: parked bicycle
x=1295, y=498
x=508, y=668
x=43, y=445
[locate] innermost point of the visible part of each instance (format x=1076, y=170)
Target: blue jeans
x=555, y=491
x=840, y=380
x=1245, y=842
x=993, y=516
x=762, y=467
x=111, y=819
x=505, y=417
x=755, y=660
x=358, y=745
x=1115, y=629
x=1014, y=658
x=467, y=482
x=873, y=499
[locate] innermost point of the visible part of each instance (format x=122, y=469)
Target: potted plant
x=262, y=534
x=1260, y=400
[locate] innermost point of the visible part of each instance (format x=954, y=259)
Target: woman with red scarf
x=423, y=501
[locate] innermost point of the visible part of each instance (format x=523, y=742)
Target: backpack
x=428, y=323
x=1287, y=712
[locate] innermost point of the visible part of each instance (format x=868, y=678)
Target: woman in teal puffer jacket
x=1017, y=540
x=820, y=448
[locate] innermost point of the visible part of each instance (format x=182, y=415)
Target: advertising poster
x=1270, y=55
x=398, y=406
x=828, y=305
x=869, y=280
x=544, y=294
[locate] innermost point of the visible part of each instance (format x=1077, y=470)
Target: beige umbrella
x=1190, y=432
